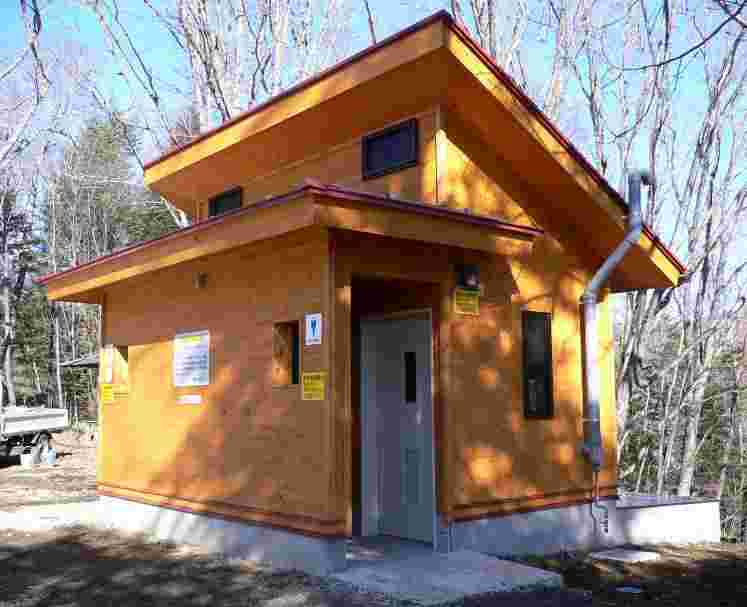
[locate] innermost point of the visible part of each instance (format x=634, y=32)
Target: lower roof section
x=312, y=204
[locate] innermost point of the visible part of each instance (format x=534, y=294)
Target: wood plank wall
x=490, y=459
x=341, y=165
x=261, y=454
x=249, y=450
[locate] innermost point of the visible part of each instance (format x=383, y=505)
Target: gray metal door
x=398, y=407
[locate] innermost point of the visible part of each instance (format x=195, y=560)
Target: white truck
x=29, y=426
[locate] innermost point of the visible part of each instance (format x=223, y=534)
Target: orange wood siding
x=403, y=60
x=465, y=185
x=491, y=459
x=341, y=164
x=248, y=449
x=433, y=71
x=191, y=244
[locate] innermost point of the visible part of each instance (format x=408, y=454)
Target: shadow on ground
x=8, y=461
x=83, y=567
x=703, y=575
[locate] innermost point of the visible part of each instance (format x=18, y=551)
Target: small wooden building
x=373, y=325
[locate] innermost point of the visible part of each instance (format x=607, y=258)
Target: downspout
x=592, y=445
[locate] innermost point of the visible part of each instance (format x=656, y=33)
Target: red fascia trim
x=578, y=156
x=505, y=78
x=664, y=249
x=311, y=187
x=419, y=208
x=197, y=227
x=442, y=14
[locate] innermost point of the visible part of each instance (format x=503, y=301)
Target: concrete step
x=434, y=578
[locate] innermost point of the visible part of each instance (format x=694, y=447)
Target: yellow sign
x=121, y=392
x=107, y=394
x=467, y=302
x=313, y=385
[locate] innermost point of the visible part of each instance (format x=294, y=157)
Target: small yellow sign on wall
x=467, y=302
x=107, y=394
x=313, y=385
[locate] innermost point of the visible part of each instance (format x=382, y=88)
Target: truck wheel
x=8, y=448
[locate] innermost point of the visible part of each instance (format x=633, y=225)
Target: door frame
x=370, y=487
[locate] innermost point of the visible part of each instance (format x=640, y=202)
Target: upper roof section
x=434, y=63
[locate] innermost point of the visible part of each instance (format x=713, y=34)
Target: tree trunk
x=690, y=454
x=58, y=371
x=732, y=416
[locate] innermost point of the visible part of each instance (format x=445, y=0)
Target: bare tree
x=371, y=25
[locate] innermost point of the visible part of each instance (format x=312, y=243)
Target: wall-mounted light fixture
x=468, y=276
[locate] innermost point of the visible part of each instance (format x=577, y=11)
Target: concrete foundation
x=642, y=520
x=278, y=548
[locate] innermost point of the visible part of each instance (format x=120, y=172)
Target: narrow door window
x=411, y=384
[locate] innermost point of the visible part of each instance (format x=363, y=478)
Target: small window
x=537, y=344
x=390, y=150
x=286, y=349
x=411, y=373
x=227, y=201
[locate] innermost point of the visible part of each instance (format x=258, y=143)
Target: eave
x=312, y=205
x=438, y=64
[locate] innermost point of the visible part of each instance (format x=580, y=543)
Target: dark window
x=227, y=201
x=286, y=351
x=411, y=385
x=537, y=343
x=390, y=150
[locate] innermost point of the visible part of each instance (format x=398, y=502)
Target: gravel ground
x=72, y=478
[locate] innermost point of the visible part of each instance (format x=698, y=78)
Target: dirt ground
x=685, y=576
x=71, y=478
x=88, y=568
x=79, y=566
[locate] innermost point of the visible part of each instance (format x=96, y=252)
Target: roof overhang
x=84, y=362
x=433, y=63
x=311, y=206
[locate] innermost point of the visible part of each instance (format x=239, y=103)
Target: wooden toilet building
x=372, y=325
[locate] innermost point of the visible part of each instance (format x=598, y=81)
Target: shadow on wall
x=260, y=450
x=254, y=448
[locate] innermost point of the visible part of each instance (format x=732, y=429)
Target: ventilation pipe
x=592, y=445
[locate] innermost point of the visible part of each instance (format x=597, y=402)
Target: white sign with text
x=313, y=329
x=192, y=359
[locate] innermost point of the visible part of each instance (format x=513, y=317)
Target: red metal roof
x=505, y=78
x=312, y=187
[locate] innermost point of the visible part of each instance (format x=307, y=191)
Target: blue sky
x=65, y=20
